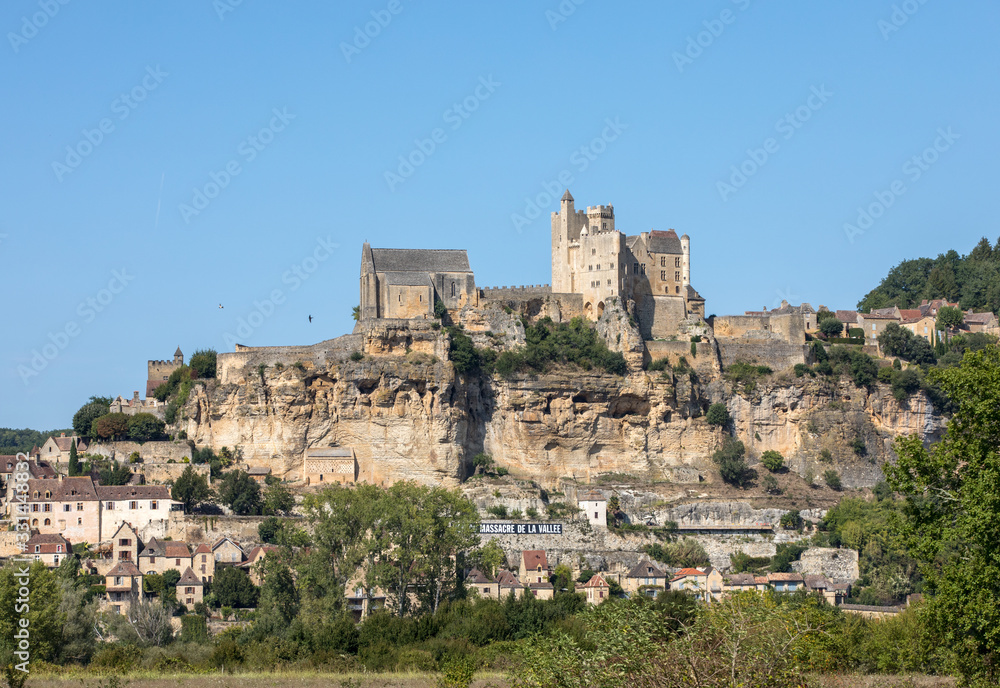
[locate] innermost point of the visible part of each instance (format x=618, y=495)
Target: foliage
x=85, y=416
x=13, y=441
x=74, y=460
x=951, y=516
x=770, y=484
x=772, y=460
x=78, y=640
x=145, y=623
x=278, y=499
x=241, y=493
x=232, y=587
x=574, y=343
x=489, y=557
x=111, y=426
x=862, y=367
x=686, y=553
x=899, y=341
x=194, y=629
x=190, y=489
x=113, y=473
x=791, y=520
x=740, y=562
x=172, y=387
x=785, y=554
x=732, y=464
x=718, y=414
x=202, y=363
x=831, y=327
x=832, y=479
x=356, y=356
x=949, y=318
x=659, y=365
x=143, y=427
x=439, y=309
x=356, y=312
x=744, y=376
x=457, y=673
x=43, y=617
x=905, y=383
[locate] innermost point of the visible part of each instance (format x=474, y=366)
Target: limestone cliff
x=390, y=392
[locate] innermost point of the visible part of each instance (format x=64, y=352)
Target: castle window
x=604, y=225
x=48, y=522
x=593, y=251
x=598, y=266
x=609, y=283
x=421, y=297
x=79, y=506
x=663, y=261
x=677, y=262
x=663, y=275
x=635, y=268
x=677, y=290
x=452, y=288
x=677, y=276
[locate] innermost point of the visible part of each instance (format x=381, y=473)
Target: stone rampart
x=837, y=564
x=150, y=452
x=515, y=293
x=161, y=473
x=233, y=367
x=705, y=362
x=774, y=353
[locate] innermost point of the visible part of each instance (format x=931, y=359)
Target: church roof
x=420, y=260
x=407, y=279
x=664, y=242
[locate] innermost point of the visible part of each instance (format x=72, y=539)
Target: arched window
x=453, y=289
x=34, y=521
x=48, y=522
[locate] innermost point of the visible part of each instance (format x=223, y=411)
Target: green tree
x=194, y=629
x=78, y=640
x=143, y=427
x=202, y=362
x=772, y=460
x=732, y=464
x=112, y=426
x=241, y=493
x=232, y=587
x=831, y=327
x=490, y=557
x=356, y=313
x=113, y=473
x=84, y=418
x=832, y=479
x=718, y=414
x=268, y=530
x=951, y=515
x=43, y=615
x=74, y=460
x=190, y=489
x=949, y=318
x=278, y=499
x=279, y=600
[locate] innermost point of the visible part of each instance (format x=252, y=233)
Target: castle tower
x=566, y=227
x=178, y=357
x=686, y=261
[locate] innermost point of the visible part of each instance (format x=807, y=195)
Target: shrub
x=659, y=364
x=718, y=414
x=439, y=309
x=859, y=446
x=791, y=520
x=831, y=327
x=770, y=484
x=356, y=356
x=856, y=333
x=732, y=464
x=825, y=456
x=772, y=460
x=575, y=343
x=905, y=383
x=745, y=375
x=497, y=510
x=532, y=512
x=832, y=479
x=801, y=369
x=203, y=363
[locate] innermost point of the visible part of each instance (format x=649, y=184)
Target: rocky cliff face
x=408, y=415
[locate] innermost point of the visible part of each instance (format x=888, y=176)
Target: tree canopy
x=190, y=489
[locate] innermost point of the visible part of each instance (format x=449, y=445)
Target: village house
x=190, y=589
x=875, y=323
x=646, y=578
x=597, y=589
x=785, y=582
x=484, y=584
x=131, y=407
x=259, y=474
x=254, y=563
x=57, y=449
x=226, y=551
x=921, y=325
x=64, y=506
x=543, y=590
x=534, y=566
x=509, y=584
x=849, y=319
x=705, y=585
x=51, y=550
x=159, y=556
x=595, y=506
x=831, y=593
x=139, y=505
x=203, y=562
x=125, y=544
x=362, y=601
x=932, y=307
x=981, y=322
x=740, y=582
x=123, y=584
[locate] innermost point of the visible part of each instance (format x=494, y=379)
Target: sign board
x=520, y=528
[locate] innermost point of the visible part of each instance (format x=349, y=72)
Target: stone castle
x=159, y=371
x=592, y=264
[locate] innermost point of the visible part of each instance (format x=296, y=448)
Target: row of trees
x=237, y=490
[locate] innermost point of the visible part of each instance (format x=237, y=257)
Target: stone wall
x=515, y=293
x=160, y=473
x=208, y=529
x=774, y=353
x=660, y=316
x=705, y=362
x=152, y=452
x=836, y=564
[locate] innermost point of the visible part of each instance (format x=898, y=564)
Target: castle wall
x=774, y=353
x=231, y=367
x=705, y=362
x=148, y=451
x=403, y=301
x=660, y=316
x=515, y=293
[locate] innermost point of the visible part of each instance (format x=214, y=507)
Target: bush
x=832, y=479
x=831, y=327
x=791, y=520
x=718, y=414
x=859, y=446
x=732, y=464
x=203, y=362
x=497, y=510
x=801, y=369
x=905, y=383
x=356, y=356
x=770, y=484
x=575, y=343
x=659, y=364
x=772, y=460
x=745, y=375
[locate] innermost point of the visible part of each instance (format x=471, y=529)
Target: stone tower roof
x=567, y=196
x=664, y=242
x=178, y=352
x=420, y=260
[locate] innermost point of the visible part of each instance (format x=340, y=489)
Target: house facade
x=51, y=550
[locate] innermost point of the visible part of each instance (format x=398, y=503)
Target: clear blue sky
x=184, y=89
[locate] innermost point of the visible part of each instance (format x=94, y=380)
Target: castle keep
x=592, y=264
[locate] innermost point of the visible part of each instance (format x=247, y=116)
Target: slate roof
x=477, y=577
x=120, y=492
x=816, y=582
x=592, y=496
x=189, y=578
x=784, y=577
x=330, y=452
x=40, y=469
x=847, y=316
x=420, y=260
x=533, y=558
x=567, y=196
x=66, y=490
x=741, y=579
x=123, y=568
x=646, y=569
x=664, y=242
x=507, y=579
x=693, y=295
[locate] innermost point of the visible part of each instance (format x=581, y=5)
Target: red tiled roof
x=847, y=316
x=910, y=314
x=596, y=581
x=533, y=558
x=684, y=573
x=507, y=579
x=203, y=549
x=48, y=544
x=123, y=568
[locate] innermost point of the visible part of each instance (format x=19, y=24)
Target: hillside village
x=420, y=307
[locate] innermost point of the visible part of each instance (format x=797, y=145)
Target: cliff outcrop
x=390, y=392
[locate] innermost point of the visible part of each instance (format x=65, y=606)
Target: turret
x=178, y=357
x=686, y=260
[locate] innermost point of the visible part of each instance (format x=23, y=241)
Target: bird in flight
x=310, y=318
x=220, y=305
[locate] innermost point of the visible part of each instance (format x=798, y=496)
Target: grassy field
x=395, y=680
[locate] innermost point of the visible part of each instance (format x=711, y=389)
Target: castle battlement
x=159, y=363
x=518, y=292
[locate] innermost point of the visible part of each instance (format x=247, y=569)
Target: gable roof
x=203, y=549
x=123, y=568
x=477, y=577
x=646, y=569
x=48, y=539
x=784, y=577
x=189, y=578
x=533, y=558
x=507, y=579
x=420, y=260
x=847, y=316
x=741, y=579
x=592, y=496
x=124, y=492
x=979, y=317
x=684, y=573
x=910, y=314
x=816, y=582
x=664, y=242
x=596, y=581
x=79, y=489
